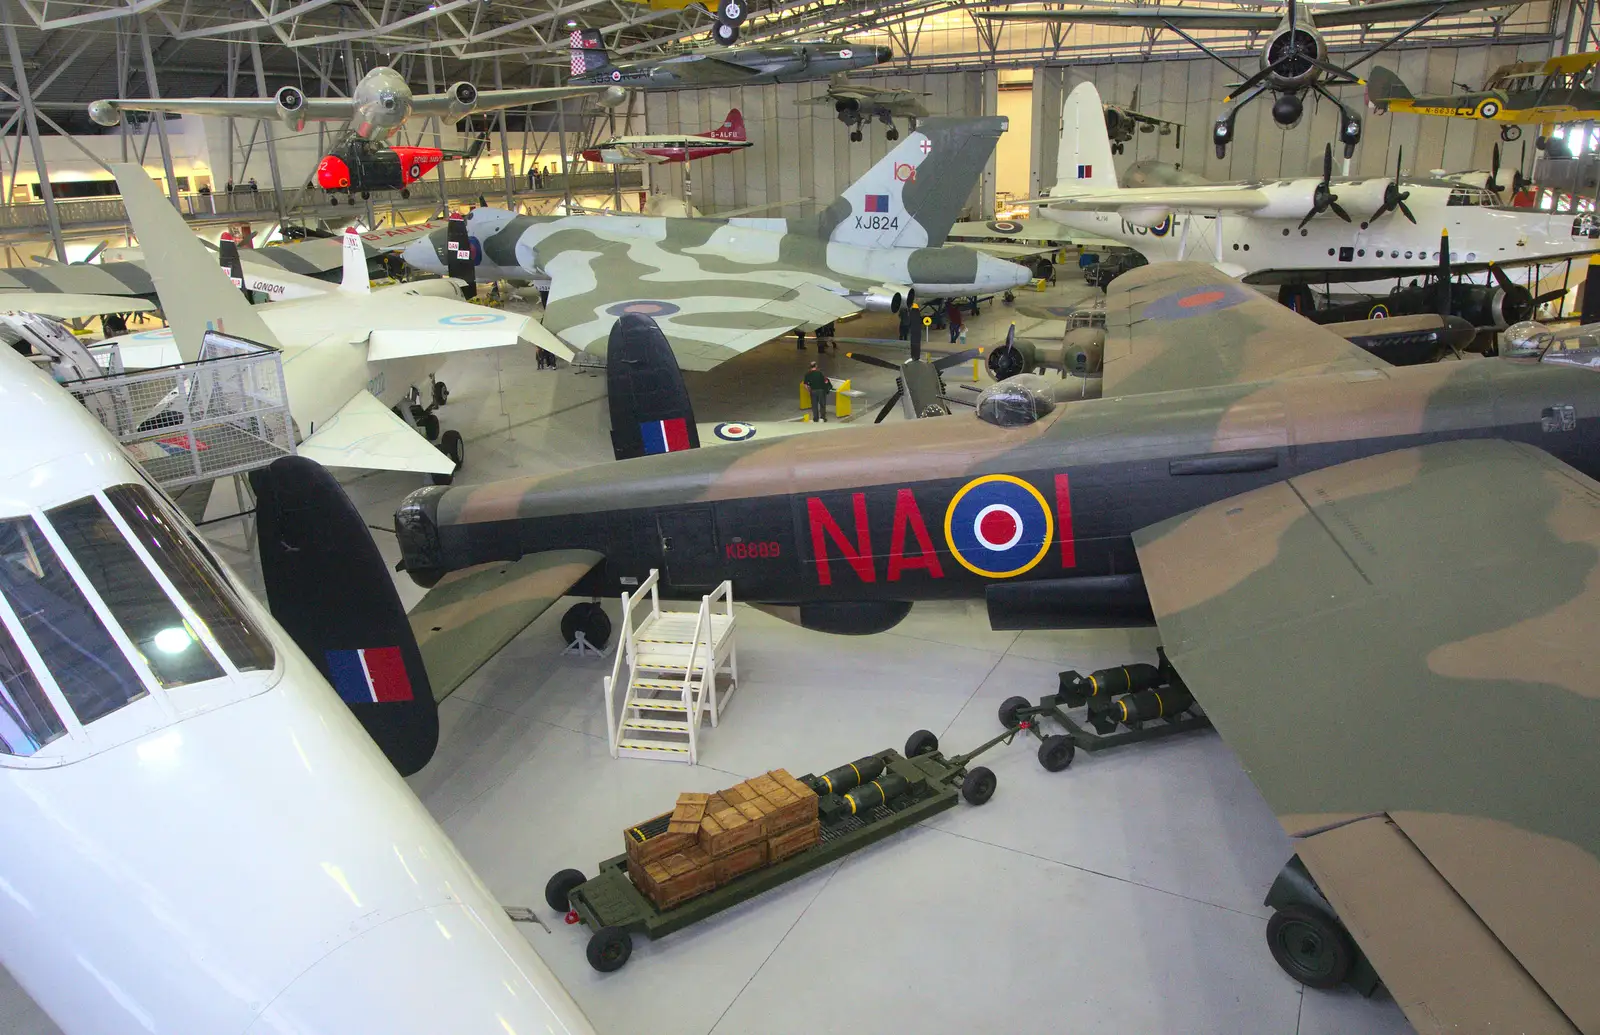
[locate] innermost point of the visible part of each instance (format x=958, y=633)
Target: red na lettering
x=823, y=527
x=907, y=515
x=1069, y=550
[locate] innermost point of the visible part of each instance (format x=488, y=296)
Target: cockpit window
x=171, y=649
x=200, y=583
x=28, y=721
x=91, y=670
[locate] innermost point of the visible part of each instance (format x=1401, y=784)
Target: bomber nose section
x=416, y=526
x=426, y=253
x=998, y=274
x=884, y=54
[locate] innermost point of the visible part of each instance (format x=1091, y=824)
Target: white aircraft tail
x=1084, y=159
x=356, y=281
x=195, y=293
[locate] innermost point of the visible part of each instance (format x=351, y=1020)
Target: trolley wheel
x=1009, y=709
x=559, y=887
x=1056, y=753
x=441, y=393
x=428, y=424
x=1310, y=946
x=452, y=446
x=591, y=619
x=979, y=785
x=609, y=948
x=922, y=742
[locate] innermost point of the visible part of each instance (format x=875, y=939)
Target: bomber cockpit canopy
x=108, y=607
x=1016, y=401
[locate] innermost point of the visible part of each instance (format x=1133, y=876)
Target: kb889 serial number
x=746, y=551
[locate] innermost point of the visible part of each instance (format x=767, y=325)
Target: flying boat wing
x=1174, y=325
x=1436, y=764
x=1205, y=199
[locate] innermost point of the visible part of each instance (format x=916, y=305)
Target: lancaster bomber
x=1291, y=512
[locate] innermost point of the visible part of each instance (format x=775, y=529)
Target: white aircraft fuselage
x=1261, y=245
x=220, y=847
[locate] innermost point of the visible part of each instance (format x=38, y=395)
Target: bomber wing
x=1421, y=709
x=491, y=100
x=1159, y=16
x=1176, y=325
x=366, y=433
x=707, y=319
x=317, y=109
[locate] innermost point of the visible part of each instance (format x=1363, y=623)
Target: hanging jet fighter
x=1560, y=89
x=1377, y=678
x=1309, y=230
x=1294, y=57
x=375, y=110
x=758, y=65
x=719, y=287
x=657, y=148
x=195, y=836
x=857, y=105
x=1122, y=123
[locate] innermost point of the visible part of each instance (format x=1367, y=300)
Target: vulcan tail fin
x=195, y=293
x=1085, y=156
x=228, y=252
x=588, y=52
x=356, y=281
x=650, y=408
x=458, y=255
x=912, y=197
x=329, y=588
x=732, y=127
x=1383, y=86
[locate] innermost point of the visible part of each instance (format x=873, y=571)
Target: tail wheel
x=731, y=11
x=725, y=33
x=1310, y=946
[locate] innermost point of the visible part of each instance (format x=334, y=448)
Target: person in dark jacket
x=819, y=385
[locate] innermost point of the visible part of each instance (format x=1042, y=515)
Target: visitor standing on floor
x=819, y=385
x=953, y=314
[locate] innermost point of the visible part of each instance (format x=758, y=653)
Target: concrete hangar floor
x=1122, y=895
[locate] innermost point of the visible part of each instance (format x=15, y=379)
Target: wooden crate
x=675, y=879
x=740, y=861
x=791, y=842
x=643, y=848
x=688, y=813
x=728, y=830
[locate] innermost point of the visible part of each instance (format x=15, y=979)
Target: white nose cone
x=997, y=274
x=420, y=254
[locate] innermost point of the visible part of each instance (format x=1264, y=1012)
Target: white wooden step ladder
x=682, y=667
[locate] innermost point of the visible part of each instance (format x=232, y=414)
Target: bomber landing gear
x=589, y=620
x=453, y=446
x=855, y=136
x=1306, y=938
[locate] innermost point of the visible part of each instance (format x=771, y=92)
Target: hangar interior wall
x=802, y=151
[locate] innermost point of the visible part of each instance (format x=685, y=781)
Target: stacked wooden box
x=709, y=839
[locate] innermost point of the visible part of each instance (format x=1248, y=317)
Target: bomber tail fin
x=650, y=408
x=588, y=52
x=912, y=197
x=732, y=127
x=356, y=281
x=1084, y=159
x=458, y=255
x=1383, y=86
x=228, y=252
x=195, y=293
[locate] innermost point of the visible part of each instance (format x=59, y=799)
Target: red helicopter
x=361, y=166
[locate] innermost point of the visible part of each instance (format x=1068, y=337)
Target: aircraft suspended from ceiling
x=1538, y=93
x=1122, y=123
x=857, y=105
x=375, y=110
x=1294, y=59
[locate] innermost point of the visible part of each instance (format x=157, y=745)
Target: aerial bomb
x=1106, y=683
x=842, y=779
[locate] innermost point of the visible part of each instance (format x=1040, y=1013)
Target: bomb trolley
x=858, y=804
x=1148, y=701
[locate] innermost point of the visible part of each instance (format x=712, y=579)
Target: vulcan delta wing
x=720, y=287
x=1421, y=710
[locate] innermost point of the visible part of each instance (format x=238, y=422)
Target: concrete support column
x=1049, y=88
x=505, y=145
x=990, y=105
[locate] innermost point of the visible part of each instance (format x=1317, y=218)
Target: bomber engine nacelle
x=1012, y=357
x=105, y=113
x=291, y=107
x=881, y=299
x=462, y=97
x=1292, y=54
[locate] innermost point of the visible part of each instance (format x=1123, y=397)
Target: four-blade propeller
x=1323, y=199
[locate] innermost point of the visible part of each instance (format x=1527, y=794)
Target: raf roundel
x=998, y=526
x=471, y=319
x=1005, y=226
x=1198, y=301
x=734, y=431
x=643, y=307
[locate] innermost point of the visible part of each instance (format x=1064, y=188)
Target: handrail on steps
x=629, y=601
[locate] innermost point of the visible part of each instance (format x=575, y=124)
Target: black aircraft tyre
x=922, y=742
x=441, y=393
x=733, y=12
x=428, y=424
x=560, y=886
x=1009, y=709
x=452, y=445
x=609, y=948
x=979, y=785
x=1056, y=753
x=1510, y=133
x=589, y=618
x=725, y=33
x=1310, y=946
